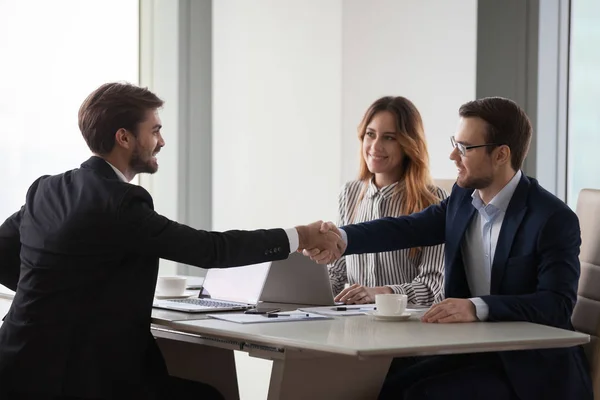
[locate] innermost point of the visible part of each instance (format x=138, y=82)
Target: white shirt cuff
x=292, y=235
x=344, y=236
x=481, y=308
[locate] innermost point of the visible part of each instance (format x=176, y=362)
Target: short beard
x=475, y=183
x=139, y=166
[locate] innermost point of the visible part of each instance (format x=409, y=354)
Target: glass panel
x=583, y=170
x=54, y=53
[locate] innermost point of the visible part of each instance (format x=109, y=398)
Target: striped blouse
x=421, y=277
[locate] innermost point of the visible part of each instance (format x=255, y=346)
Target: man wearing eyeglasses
x=511, y=255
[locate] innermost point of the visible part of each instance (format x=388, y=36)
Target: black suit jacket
x=89, y=244
x=534, y=277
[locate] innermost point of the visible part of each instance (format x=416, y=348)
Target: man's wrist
x=482, y=310
x=301, y=237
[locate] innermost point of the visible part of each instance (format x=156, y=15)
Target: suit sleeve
x=146, y=232
x=425, y=228
x=558, y=276
x=10, y=250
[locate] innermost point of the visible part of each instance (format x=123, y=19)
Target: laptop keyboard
x=207, y=303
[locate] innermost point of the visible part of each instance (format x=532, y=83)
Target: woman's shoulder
x=440, y=193
x=350, y=188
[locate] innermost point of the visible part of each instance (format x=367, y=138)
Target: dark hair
x=111, y=107
x=507, y=125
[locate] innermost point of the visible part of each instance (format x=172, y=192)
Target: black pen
x=354, y=309
x=286, y=315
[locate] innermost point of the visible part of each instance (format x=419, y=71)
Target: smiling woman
x=59, y=52
x=393, y=180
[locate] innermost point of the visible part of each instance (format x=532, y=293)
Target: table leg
x=300, y=376
x=197, y=362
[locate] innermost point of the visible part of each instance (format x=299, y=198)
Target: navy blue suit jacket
x=535, y=273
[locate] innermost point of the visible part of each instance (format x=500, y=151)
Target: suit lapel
x=510, y=225
x=456, y=280
x=462, y=220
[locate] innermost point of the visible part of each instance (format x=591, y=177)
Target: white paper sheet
x=294, y=316
x=341, y=311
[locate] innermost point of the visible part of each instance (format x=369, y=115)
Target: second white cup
x=390, y=304
x=170, y=285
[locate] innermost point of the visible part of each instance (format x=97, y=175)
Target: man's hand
x=327, y=244
x=359, y=294
x=451, y=310
x=321, y=256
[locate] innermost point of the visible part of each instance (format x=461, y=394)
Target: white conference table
x=341, y=358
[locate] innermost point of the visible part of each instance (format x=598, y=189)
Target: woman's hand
x=359, y=294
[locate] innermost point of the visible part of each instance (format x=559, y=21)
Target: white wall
x=276, y=123
x=276, y=112
x=291, y=81
x=423, y=50
x=159, y=70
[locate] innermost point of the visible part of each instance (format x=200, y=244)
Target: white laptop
x=296, y=280
x=224, y=289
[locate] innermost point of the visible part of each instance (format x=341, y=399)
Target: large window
x=584, y=99
x=54, y=53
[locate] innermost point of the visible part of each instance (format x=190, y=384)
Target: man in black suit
x=85, y=243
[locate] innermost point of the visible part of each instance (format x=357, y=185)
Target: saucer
x=185, y=295
x=402, y=317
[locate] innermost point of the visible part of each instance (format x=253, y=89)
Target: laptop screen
x=240, y=284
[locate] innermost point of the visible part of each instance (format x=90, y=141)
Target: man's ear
x=123, y=138
x=503, y=155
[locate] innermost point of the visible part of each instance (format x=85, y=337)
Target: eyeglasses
x=462, y=149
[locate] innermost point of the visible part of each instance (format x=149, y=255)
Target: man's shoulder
x=88, y=186
x=542, y=200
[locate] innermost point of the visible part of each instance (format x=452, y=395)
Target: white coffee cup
x=170, y=285
x=390, y=304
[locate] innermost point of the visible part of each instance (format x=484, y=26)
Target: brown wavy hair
x=415, y=178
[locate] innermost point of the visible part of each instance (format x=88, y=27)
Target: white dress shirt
x=118, y=172
x=479, y=245
x=291, y=233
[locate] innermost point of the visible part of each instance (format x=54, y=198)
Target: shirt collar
x=385, y=191
x=500, y=200
x=119, y=173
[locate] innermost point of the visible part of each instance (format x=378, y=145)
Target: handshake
x=321, y=241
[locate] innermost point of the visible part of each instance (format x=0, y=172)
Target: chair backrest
x=586, y=316
x=445, y=184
